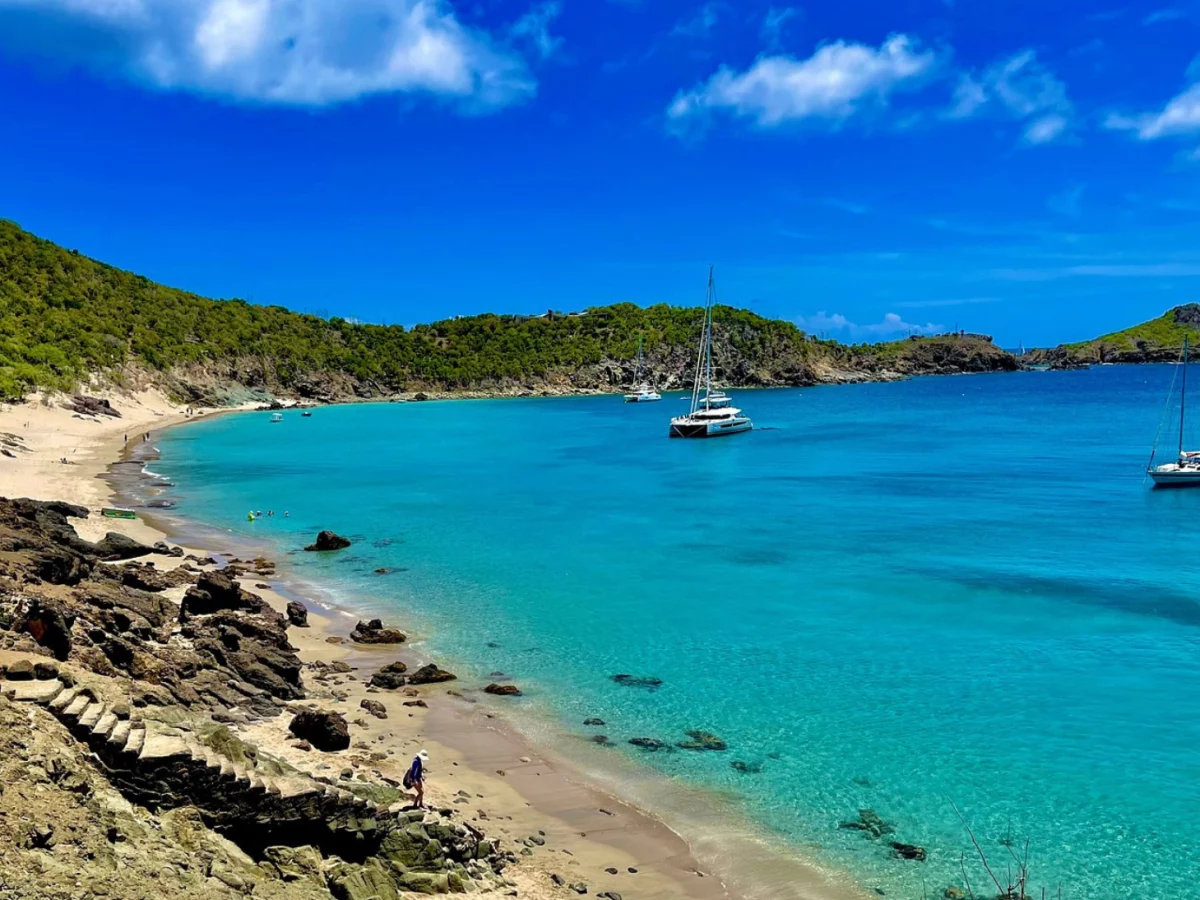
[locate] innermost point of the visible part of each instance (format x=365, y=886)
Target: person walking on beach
x=414, y=778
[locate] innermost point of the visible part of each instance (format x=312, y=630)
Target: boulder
x=328, y=540
x=503, y=690
x=297, y=614
x=21, y=670
x=324, y=730
x=390, y=676
x=375, y=708
x=214, y=592
x=115, y=546
x=650, y=683
x=703, y=740
x=594, y=721
x=869, y=822
x=44, y=670
x=650, y=744
x=908, y=851
x=373, y=632
x=430, y=674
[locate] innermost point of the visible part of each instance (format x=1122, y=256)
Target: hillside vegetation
x=64, y=318
x=1158, y=340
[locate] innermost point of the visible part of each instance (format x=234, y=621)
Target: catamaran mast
x=708, y=340
x=1183, y=395
x=637, y=378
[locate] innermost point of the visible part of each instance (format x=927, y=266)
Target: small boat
x=1185, y=470
x=643, y=393
x=712, y=415
x=117, y=512
x=276, y=417
x=306, y=415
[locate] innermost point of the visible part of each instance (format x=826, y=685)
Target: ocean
x=903, y=597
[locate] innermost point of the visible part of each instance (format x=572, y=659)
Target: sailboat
x=712, y=415
x=642, y=393
x=1185, y=471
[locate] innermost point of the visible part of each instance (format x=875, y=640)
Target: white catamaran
x=642, y=392
x=1185, y=471
x=711, y=415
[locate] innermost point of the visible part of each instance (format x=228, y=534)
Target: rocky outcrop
x=503, y=690
x=430, y=674
x=297, y=614
x=328, y=540
x=323, y=729
x=373, y=632
x=390, y=676
x=92, y=406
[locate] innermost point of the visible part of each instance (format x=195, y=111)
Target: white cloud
x=1019, y=87
x=1164, y=15
x=891, y=326
x=1181, y=116
x=834, y=83
x=534, y=26
x=300, y=52
x=774, y=23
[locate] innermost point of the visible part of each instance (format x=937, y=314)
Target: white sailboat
x=643, y=392
x=1185, y=471
x=712, y=415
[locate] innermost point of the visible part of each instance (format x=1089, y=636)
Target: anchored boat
x=1185, y=471
x=642, y=393
x=712, y=415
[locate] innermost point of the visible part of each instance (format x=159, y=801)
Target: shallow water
x=894, y=596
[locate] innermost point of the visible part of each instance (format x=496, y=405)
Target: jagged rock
x=297, y=614
x=390, y=676
x=703, y=740
x=44, y=671
x=50, y=625
x=651, y=744
x=650, y=683
x=609, y=895
x=295, y=863
x=373, y=632
x=348, y=881
x=870, y=822
x=503, y=690
x=430, y=674
x=420, y=703
x=92, y=406
x=324, y=730
x=908, y=851
x=164, y=548
x=594, y=721
x=375, y=708
x=214, y=592
x=148, y=578
x=328, y=540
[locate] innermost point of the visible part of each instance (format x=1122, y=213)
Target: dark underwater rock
x=328, y=540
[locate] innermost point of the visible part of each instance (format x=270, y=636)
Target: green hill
x=1158, y=340
x=65, y=318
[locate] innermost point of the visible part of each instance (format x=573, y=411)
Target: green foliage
x=64, y=316
x=1165, y=332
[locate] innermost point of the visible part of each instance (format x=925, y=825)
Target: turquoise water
x=893, y=596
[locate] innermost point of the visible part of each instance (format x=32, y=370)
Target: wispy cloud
x=836, y=82
x=1170, y=14
x=1179, y=117
x=297, y=52
x=701, y=21
x=1130, y=270
x=1019, y=87
x=774, y=24
x=954, y=301
x=534, y=27
x=891, y=326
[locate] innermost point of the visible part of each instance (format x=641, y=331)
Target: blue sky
x=1026, y=169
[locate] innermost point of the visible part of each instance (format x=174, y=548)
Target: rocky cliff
x=1156, y=341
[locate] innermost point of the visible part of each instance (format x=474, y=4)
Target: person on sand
x=414, y=778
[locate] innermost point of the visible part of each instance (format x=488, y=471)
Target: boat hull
x=1175, y=478
x=688, y=429
x=642, y=398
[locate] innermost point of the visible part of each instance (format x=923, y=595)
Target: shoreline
x=591, y=827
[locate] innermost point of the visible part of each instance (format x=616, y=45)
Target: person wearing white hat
x=414, y=778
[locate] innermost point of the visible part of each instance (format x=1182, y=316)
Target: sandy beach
x=568, y=830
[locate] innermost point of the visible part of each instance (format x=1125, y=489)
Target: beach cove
x=874, y=606
x=585, y=830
